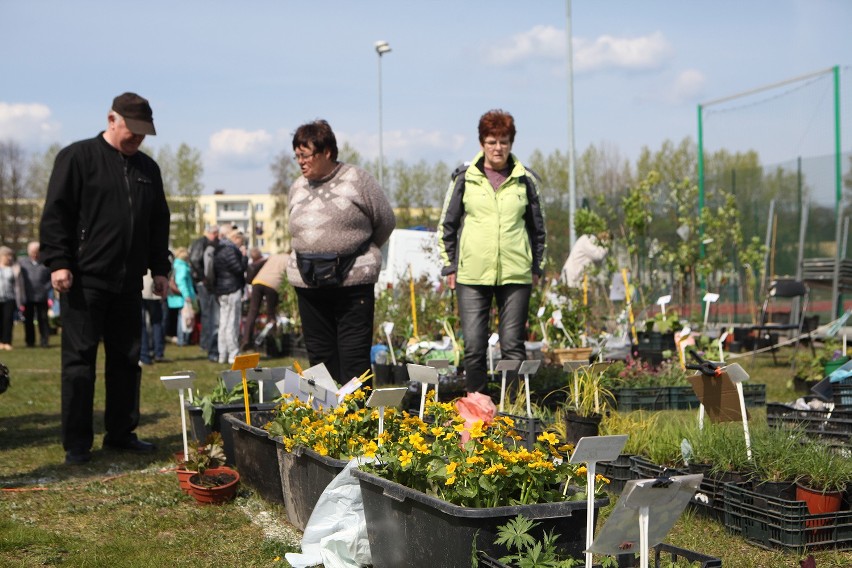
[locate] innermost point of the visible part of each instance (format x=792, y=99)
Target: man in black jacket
x=105, y=223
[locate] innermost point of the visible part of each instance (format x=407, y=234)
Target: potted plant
x=813, y=367
x=824, y=475
x=563, y=318
x=588, y=400
x=203, y=455
x=773, y=472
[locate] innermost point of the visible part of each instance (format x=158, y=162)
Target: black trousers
x=36, y=311
x=88, y=316
x=259, y=292
x=7, y=320
x=338, y=328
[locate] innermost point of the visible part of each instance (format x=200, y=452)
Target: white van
x=417, y=249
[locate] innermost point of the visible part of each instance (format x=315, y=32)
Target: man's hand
x=161, y=286
x=536, y=279
x=61, y=279
x=451, y=281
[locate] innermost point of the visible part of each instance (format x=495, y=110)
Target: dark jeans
x=338, y=328
x=7, y=320
x=36, y=311
x=258, y=293
x=475, y=302
x=155, y=341
x=208, y=304
x=89, y=316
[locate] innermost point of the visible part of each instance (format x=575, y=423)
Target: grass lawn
x=127, y=511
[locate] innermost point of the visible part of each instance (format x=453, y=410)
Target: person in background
x=587, y=250
x=11, y=295
x=185, y=295
x=153, y=335
x=264, y=286
x=492, y=244
x=208, y=303
x=339, y=218
x=36, y=279
x=229, y=263
x=105, y=222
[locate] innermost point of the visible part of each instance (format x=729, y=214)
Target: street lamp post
x=382, y=47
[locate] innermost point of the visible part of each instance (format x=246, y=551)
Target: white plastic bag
x=336, y=533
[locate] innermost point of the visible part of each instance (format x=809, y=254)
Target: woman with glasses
x=492, y=241
x=339, y=218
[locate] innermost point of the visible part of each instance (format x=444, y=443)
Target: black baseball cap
x=136, y=113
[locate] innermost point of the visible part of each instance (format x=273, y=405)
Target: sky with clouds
x=234, y=79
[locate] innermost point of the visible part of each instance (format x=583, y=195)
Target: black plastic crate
x=709, y=500
x=842, y=394
x=770, y=522
x=645, y=469
x=835, y=425
x=644, y=398
x=618, y=472
x=527, y=428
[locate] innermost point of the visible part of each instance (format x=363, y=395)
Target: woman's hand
x=451, y=281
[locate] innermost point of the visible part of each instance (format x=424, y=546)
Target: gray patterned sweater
x=337, y=215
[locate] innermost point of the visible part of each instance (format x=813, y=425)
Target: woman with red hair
x=492, y=245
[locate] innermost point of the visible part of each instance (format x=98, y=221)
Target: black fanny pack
x=324, y=270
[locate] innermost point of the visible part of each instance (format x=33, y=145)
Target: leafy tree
x=18, y=220
x=40, y=168
x=182, y=171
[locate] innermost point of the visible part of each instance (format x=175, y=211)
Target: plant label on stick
x=426, y=376
x=186, y=373
x=662, y=301
x=527, y=368
x=598, y=448
x=262, y=376
x=319, y=373
x=590, y=451
x=503, y=367
x=383, y=398
x=180, y=383
x=312, y=389
x=242, y=363
x=718, y=394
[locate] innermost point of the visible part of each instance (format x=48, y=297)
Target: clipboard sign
x=312, y=389
x=644, y=514
x=319, y=373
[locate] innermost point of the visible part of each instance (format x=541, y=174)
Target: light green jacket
x=492, y=237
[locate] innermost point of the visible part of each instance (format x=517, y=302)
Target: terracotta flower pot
x=215, y=486
x=183, y=474
x=819, y=503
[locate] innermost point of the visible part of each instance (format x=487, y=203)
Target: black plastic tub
x=255, y=456
x=200, y=430
x=304, y=475
x=407, y=528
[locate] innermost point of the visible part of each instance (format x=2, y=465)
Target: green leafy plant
x=526, y=551
x=222, y=395
x=822, y=468
x=205, y=455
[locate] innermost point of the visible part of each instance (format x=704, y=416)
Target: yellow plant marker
x=629, y=305
x=585, y=289
x=241, y=363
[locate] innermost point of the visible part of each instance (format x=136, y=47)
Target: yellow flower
x=495, y=469
x=450, y=480
x=601, y=479
x=476, y=430
x=475, y=460
x=405, y=458
x=582, y=470
x=548, y=437
x=451, y=467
